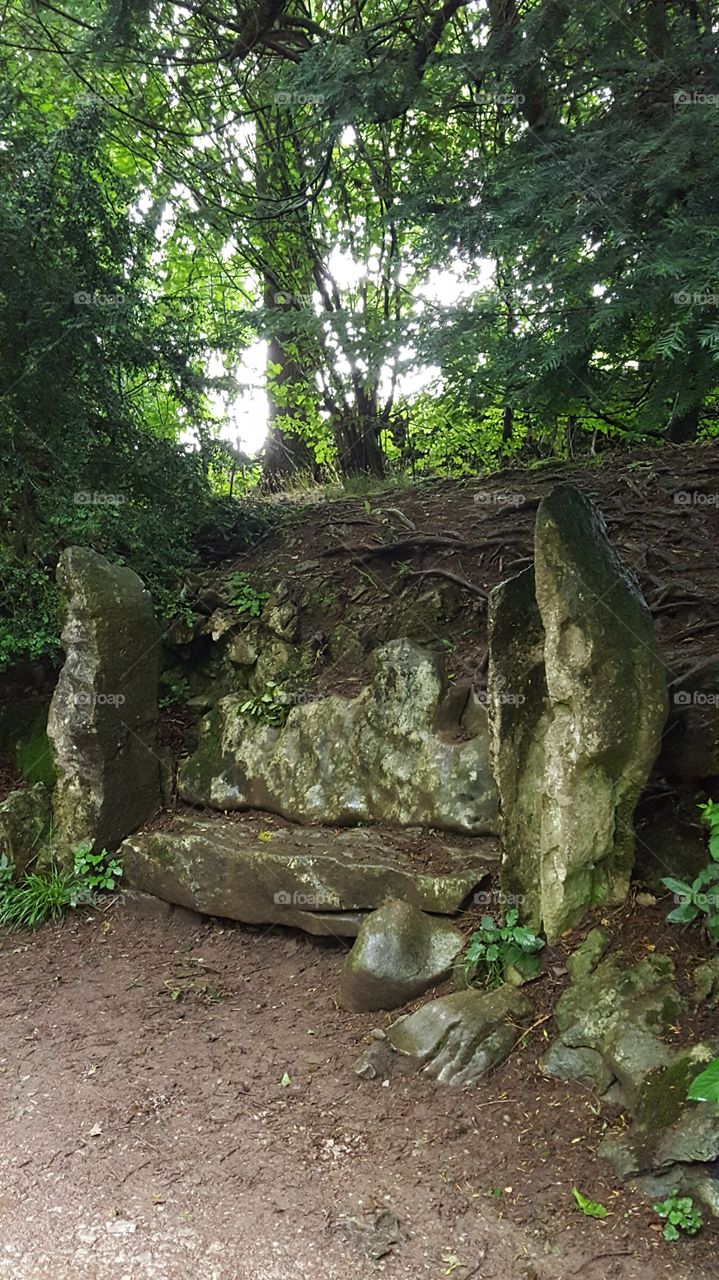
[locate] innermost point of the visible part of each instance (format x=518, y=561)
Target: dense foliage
x=465, y=230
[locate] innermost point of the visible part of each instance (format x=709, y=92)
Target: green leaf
x=677, y=886
x=705, y=1087
x=589, y=1207
x=684, y=914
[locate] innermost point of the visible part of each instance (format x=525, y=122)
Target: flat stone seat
x=319, y=879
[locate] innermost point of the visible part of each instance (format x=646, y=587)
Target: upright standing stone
x=585, y=742
x=104, y=715
x=518, y=715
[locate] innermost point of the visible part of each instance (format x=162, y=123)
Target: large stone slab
x=103, y=717
x=400, y=951
x=381, y=757
x=578, y=702
x=459, y=1038
x=316, y=880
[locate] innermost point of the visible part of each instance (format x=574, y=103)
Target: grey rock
x=586, y=1066
x=519, y=715
x=243, y=649
x=104, y=716
x=317, y=880
x=374, y=1233
x=578, y=703
x=25, y=820
x=619, y=1014
x=375, y=1061
x=706, y=981
x=373, y=758
x=400, y=951
x=587, y=955
x=457, y=1039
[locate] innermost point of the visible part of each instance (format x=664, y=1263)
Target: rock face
x=610, y=1021
x=458, y=1038
x=578, y=702
x=379, y=757
x=320, y=881
x=399, y=952
x=103, y=716
x=24, y=825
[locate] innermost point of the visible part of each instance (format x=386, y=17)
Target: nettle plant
x=701, y=896
x=495, y=949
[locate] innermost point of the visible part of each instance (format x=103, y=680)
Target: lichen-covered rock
x=103, y=717
x=578, y=703
x=614, y=1029
x=316, y=880
x=619, y=1014
x=25, y=818
x=459, y=1038
x=399, y=952
x=666, y=1128
x=585, y=959
x=519, y=715
x=378, y=757
x=706, y=981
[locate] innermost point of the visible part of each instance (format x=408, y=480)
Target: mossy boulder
x=619, y=1015
x=376, y=758
x=578, y=702
x=399, y=952
x=25, y=819
x=104, y=713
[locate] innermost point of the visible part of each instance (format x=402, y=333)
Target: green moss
x=663, y=1094
x=33, y=754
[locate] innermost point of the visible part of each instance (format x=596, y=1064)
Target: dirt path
x=146, y=1134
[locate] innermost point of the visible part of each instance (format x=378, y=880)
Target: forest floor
x=178, y=1102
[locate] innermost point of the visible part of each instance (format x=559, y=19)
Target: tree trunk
x=683, y=430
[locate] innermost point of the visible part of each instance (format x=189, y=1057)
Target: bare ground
x=146, y=1134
